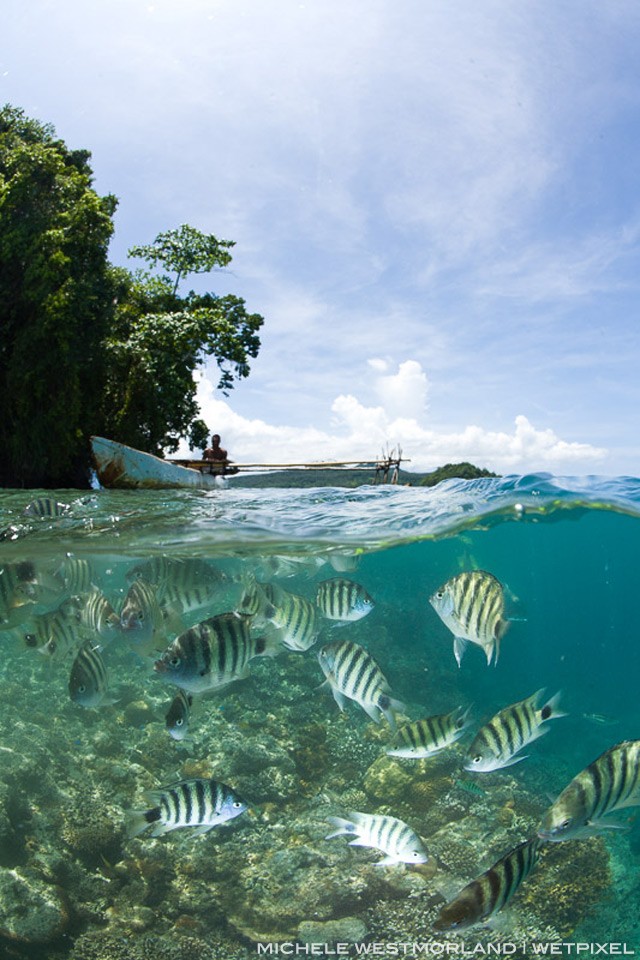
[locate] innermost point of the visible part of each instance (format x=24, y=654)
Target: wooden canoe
x=122, y=467
x=125, y=468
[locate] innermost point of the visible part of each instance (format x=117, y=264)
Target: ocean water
x=74, y=885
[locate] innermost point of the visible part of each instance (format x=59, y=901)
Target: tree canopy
x=87, y=347
x=159, y=338
x=56, y=302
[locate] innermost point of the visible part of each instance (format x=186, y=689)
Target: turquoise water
x=72, y=885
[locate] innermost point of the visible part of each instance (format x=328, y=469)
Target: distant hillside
x=355, y=478
x=463, y=471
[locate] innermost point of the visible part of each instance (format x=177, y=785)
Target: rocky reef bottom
x=73, y=887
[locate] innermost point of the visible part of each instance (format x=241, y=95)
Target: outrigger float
x=125, y=468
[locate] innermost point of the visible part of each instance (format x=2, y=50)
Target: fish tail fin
x=389, y=706
x=550, y=710
x=463, y=718
x=342, y=826
x=269, y=644
x=459, y=647
x=135, y=822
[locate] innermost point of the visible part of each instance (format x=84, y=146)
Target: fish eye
x=477, y=759
x=565, y=823
x=81, y=688
x=174, y=662
x=30, y=639
x=236, y=804
x=179, y=722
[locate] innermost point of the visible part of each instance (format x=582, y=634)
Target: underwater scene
x=386, y=720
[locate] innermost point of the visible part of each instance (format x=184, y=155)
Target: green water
x=73, y=886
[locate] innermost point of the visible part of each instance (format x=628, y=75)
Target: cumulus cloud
x=358, y=430
x=404, y=394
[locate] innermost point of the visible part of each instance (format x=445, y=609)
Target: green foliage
x=185, y=251
x=463, y=471
x=198, y=435
x=159, y=339
x=88, y=348
x=56, y=303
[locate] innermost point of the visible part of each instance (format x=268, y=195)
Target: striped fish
x=88, y=683
x=471, y=605
x=201, y=804
x=496, y=744
x=353, y=674
x=77, y=574
x=190, y=585
x=395, y=838
x=154, y=570
x=211, y=654
x=98, y=616
x=178, y=714
x=45, y=508
x=612, y=782
x=141, y=617
x=424, y=738
x=342, y=599
x=254, y=602
x=491, y=891
x=54, y=634
x=295, y=617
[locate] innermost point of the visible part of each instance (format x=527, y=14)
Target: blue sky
x=436, y=208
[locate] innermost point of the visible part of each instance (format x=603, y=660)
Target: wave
x=236, y=521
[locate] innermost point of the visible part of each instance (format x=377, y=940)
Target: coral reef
x=31, y=911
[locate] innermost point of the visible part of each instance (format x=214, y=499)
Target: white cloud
x=378, y=364
x=404, y=394
x=361, y=431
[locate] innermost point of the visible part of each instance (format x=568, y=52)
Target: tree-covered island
x=87, y=347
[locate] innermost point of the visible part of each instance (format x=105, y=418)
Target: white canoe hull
x=121, y=467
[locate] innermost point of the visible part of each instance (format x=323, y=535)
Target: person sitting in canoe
x=215, y=451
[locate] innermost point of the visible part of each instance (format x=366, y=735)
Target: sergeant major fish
x=77, y=574
x=491, y=891
x=396, y=839
x=88, y=683
x=496, y=744
x=141, y=617
x=46, y=508
x=211, y=654
x=201, y=804
x=254, y=602
x=189, y=584
x=611, y=782
x=343, y=599
x=352, y=673
x=424, y=738
x=471, y=605
x=294, y=616
x=98, y=616
x=57, y=632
